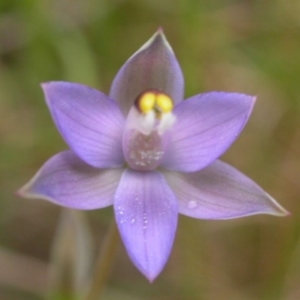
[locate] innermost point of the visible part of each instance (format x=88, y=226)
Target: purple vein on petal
x=90, y=122
x=146, y=213
x=68, y=181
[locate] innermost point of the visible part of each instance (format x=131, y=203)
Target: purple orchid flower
x=149, y=154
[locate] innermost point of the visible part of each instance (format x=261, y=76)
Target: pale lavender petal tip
x=221, y=192
x=89, y=121
x=153, y=66
x=67, y=181
x=146, y=212
x=207, y=125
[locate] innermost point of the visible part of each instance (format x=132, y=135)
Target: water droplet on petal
x=192, y=204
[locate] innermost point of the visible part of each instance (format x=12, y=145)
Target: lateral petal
x=89, y=121
x=206, y=125
x=220, y=192
x=68, y=181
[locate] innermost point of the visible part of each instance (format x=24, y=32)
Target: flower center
x=146, y=133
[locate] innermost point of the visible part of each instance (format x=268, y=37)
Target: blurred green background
x=249, y=46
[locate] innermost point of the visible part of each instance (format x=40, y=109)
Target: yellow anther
x=146, y=102
x=155, y=101
x=152, y=111
x=164, y=103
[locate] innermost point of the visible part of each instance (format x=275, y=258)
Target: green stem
x=104, y=263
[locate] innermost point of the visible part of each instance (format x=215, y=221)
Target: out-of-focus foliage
x=248, y=46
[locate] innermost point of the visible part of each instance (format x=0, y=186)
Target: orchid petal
x=67, y=181
x=220, y=192
x=146, y=212
x=207, y=124
x=153, y=66
x=89, y=121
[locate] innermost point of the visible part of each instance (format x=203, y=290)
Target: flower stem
x=103, y=263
